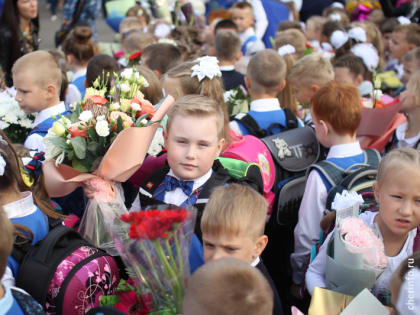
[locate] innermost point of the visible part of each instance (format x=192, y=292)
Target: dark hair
x=164, y=57
x=225, y=24
x=388, y=25
x=188, y=39
x=330, y=26
x=138, y=11
x=100, y=66
x=79, y=43
x=285, y=25
x=354, y=64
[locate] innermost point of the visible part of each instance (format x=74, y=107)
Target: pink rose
x=127, y=121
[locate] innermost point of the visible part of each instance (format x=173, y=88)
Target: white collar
x=22, y=207
x=246, y=34
x=265, y=105
x=400, y=133
x=345, y=150
x=227, y=68
x=48, y=112
x=79, y=73
x=6, y=302
x=256, y=262
x=198, y=182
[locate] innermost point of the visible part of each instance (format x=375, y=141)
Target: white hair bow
x=403, y=20
x=368, y=54
x=338, y=38
x=2, y=165
x=334, y=17
x=206, y=67
x=358, y=34
x=286, y=50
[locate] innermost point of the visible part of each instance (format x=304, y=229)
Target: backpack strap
x=372, y=157
x=27, y=303
x=291, y=119
x=251, y=125
x=250, y=39
x=332, y=173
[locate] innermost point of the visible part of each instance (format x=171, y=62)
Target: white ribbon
x=334, y=17
x=207, y=66
x=403, y=20
x=369, y=55
x=338, y=38
x=286, y=50
x=358, y=34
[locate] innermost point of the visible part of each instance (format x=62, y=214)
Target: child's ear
x=247, y=83
x=212, y=51
x=260, y=245
x=238, y=56
x=315, y=87
x=359, y=79
x=51, y=91
x=376, y=191
x=165, y=137
x=157, y=73
x=69, y=59
x=282, y=85
x=220, y=146
x=325, y=127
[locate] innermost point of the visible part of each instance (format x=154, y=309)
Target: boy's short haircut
x=227, y=44
x=311, y=69
x=225, y=24
x=235, y=210
x=411, y=31
x=317, y=22
x=130, y=23
x=354, y=64
x=42, y=66
x=100, y=66
x=6, y=240
x=243, y=5
x=287, y=25
x=137, y=40
x=338, y=104
x=267, y=71
x=291, y=37
x=228, y=286
x=162, y=57
x=388, y=25
x=197, y=106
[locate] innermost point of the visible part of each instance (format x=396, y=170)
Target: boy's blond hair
x=6, y=240
x=291, y=37
x=197, y=106
x=266, y=71
x=411, y=31
x=228, y=286
x=235, y=210
x=130, y=23
x=136, y=41
x=42, y=67
x=227, y=44
x=243, y=5
x=311, y=69
x=317, y=22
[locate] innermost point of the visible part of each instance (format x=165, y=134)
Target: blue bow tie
x=171, y=183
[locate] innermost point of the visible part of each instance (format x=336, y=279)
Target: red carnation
x=136, y=55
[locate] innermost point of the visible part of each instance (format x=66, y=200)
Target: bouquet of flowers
x=13, y=121
x=154, y=244
x=355, y=256
x=95, y=145
x=237, y=101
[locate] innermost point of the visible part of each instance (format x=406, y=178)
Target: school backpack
x=27, y=303
x=64, y=273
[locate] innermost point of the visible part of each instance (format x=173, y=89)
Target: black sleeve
x=390, y=10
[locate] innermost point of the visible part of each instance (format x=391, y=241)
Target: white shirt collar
x=227, y=68
x=345, y=150
x=247, y=33
x=22, y=207
x=265, y=105
x=406, y=142
x=48, y=112
x=79, y=73
x=198, y=182
x=256, y=262
x=6, y=301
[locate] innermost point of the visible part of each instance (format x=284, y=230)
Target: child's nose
x=406, y=208
x=191, y=152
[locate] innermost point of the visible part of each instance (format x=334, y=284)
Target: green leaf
x=92, y=147
x=70, y=155
x=59, y=142
x=119, y=124
x=108, y=300
x=80, y=165
x=79, y=146
x=138, y=121
x=92, y=134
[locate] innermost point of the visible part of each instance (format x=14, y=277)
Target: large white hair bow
x=338, y=38
x=286, y=50
x=368, y=53
x=358, y=34
x=206, y=67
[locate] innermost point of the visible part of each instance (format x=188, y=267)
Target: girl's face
x=398, y=194
x=28, y=9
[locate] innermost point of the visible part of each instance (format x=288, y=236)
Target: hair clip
x=2, y=141
x=337, y=5
x=334, y=17
x=34, y=167
x=2, y=165
x=206, y=67
x=358, y=34
x=338, y=38
x=403, y=20
x=368, y=53
x=286, y=50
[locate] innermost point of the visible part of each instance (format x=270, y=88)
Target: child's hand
x=297, y=291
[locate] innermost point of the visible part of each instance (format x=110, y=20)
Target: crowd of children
x=326, y=75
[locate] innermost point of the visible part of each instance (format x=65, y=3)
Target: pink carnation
x=104, y=192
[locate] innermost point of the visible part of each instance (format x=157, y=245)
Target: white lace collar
x=22, y=207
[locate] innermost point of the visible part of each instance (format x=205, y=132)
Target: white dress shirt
x=34, y=141
x=315, y=276
x=253, y=46
x=404, y=142
x=261, y=21
x=311, y=212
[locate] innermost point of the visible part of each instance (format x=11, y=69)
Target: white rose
x=11, y=118
x=85, y=116
x=102, y=128
x=99, y=118
x=127, y=73
x=124, y=88
x=115, y=106
x=144, y=121
x=136, y=107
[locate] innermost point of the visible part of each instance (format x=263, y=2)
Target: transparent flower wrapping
x=159, y=266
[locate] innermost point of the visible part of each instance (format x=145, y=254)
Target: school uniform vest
x=42, y=128
x=80, y=84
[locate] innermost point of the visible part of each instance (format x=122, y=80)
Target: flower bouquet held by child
x=155, y=247
x=355, y=255
x=102, y=142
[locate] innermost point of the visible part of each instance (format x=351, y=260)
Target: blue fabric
x=37, y=222
x=265, y=119
x=344, y=163
x=172, y=183
x=276, y=12
x=42, y=128
x=80, y=84
x=8, y=304
x=160, y=192
x=196, y=257
x=250, y=39
x=1, y=6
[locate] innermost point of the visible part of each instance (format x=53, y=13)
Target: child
x=404, y=283
x=227, y=286
x=243, y=17
x=291, y=37
x=161, y=57
x=228, y=51
x=12, y=301
x=314, y=29
x=397, y=193
x=152, y=92
x=408, y=134
x=101, y=66
x=37, y=79
x=129, y=25
x=404, y=38
x=79, y=48
x=137, y=41
x=336, y=113
x=225, y=25
x=265, y=78
x=233, y=226
x=411, y=63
